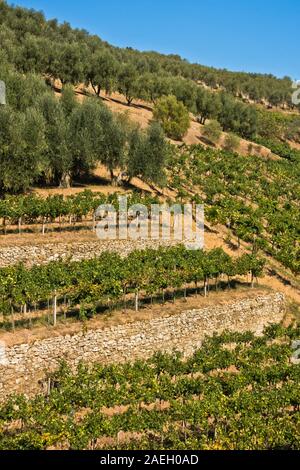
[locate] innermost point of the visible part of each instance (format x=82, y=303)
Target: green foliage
x=232, y=142
x=269, y=125
x=23, y=91
x=109, y=277
x=128, y=83
x=102, y=72
x=278, y=126
x=148, y=155
x=67, y=141
x=31, y=45
x=86, y=136
x=237, y=117
x=34, y=45
x=34, y=209
x=112, y=146
x=212, y=131
x=69, y=64
x=68, y=100
x=153, y=86
x=282, y=149
x=22, y=144
x=208, y=105
x=242, y=397
x=173, y=116
x=58, y=157
x=257, y=199
x=292, y=129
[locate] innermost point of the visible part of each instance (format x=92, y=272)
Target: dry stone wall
x=23, y=367
x=42, y=254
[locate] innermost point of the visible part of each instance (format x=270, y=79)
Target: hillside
x=115, y=332
x=208, y=401
x=141, y=112
x=107, y=128
x=40, y=56
x=25, y=33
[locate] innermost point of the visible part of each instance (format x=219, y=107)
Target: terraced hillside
x=83, y=122
x=236, y=392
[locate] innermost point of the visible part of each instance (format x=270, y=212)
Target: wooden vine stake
x=137, y=301
x=55, y=309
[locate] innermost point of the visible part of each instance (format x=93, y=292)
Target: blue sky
x=249, y=35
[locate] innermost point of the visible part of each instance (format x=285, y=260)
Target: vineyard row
x=245, y=396
x=110, y=278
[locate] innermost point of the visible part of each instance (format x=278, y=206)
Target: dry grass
x=141, y=112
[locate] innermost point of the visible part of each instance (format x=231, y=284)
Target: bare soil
x=141, y=112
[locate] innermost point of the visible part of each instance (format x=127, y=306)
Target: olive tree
x=173, y=117
x=102, y=72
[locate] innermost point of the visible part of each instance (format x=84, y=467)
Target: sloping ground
x=294, y=145
x=276, y=277
x=142, y=113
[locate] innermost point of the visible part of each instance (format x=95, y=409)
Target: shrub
x=250, y=148
x=212, y=131
x=232, y=142
x=173, y=116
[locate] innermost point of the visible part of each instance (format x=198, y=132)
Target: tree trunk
x=48, y=311
x=97, y=89
x=252, y=280
x=48, y=386
x=20, y=225
x=30, y=319
x=124, y=300
x=43, y=226
x=205, y=287
x=25, y=311
x=12, y=317
x=137, y=301
x=65, y=181
x=112, y=176
x=54, y=309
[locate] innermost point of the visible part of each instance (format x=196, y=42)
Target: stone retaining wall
x=24, y=366
x=42, y=254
